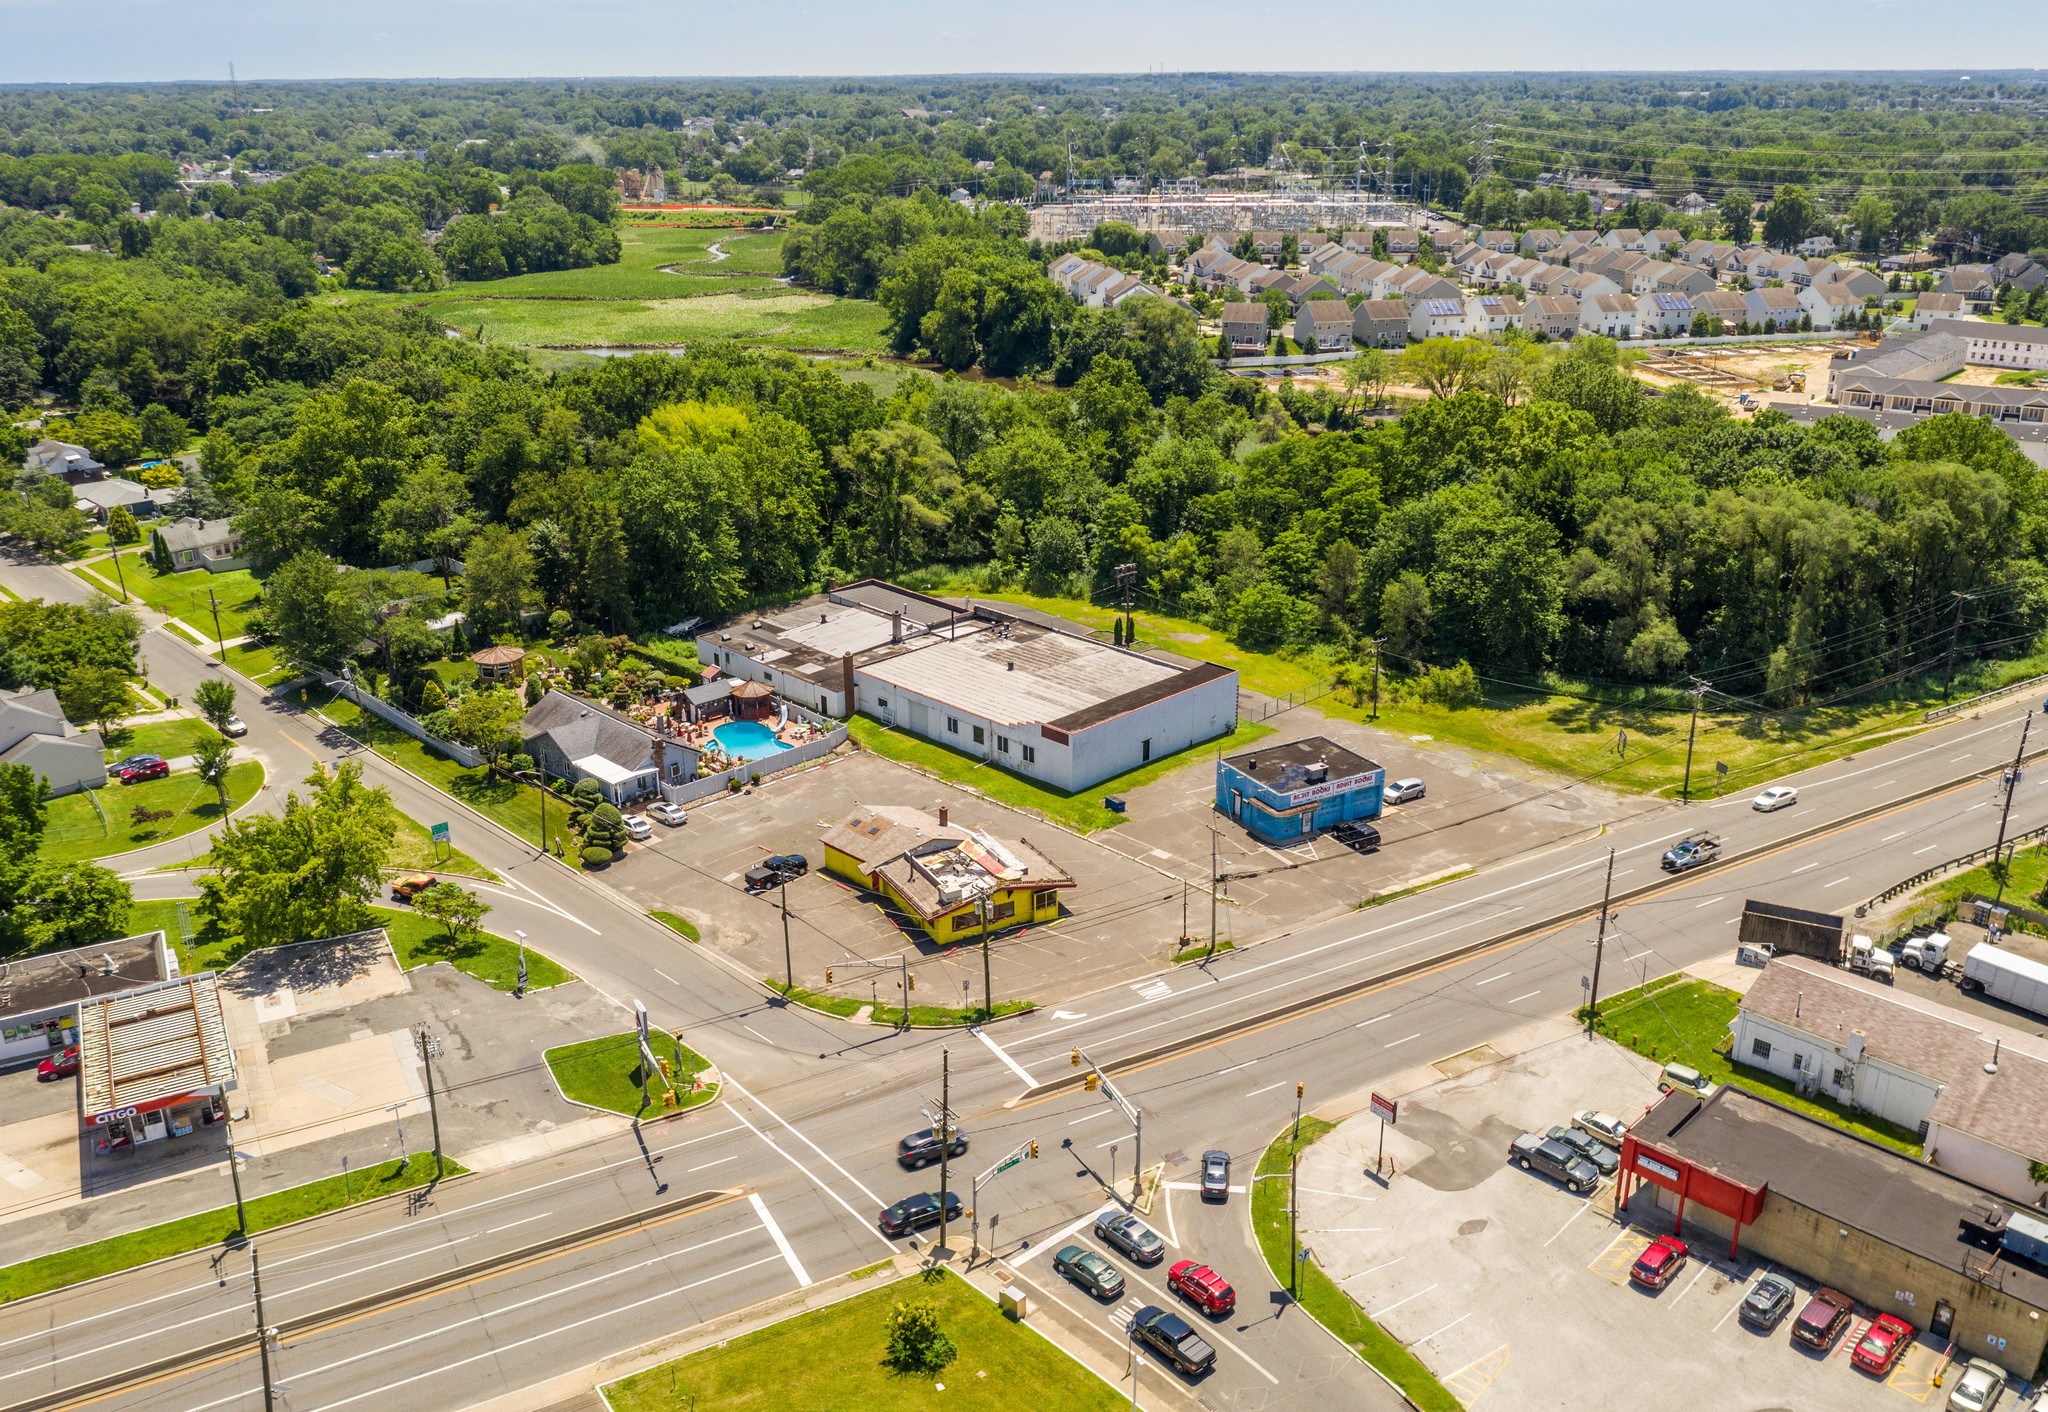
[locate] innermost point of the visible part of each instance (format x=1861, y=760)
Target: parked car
x=1539, y=1154
x=1882, y=1343
x=776, y=870
x=61, y=1065
x=1821, y=1322
x=1360, y=838
x=1090, y=1271
x=234, y=726
x=921, y=1148
x=670, y=814
x=914, y=1213
x=1215, y=1175
x=405, y=889
x=1401, y=791
x=637, y=828
x=1202, y=1287
x=1130, y=1235
x=1683, y=1078
x=137, y=768
x=1778, y=796
x=1170, y=1336
x=1979, y=1388
x=1605, y=1126
x=1659, y=1265
x=1603, y=1157
x=1768, y=1301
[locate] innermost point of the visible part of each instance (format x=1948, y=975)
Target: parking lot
x=1516, y=1293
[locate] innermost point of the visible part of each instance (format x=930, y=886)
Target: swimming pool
x=747, y=740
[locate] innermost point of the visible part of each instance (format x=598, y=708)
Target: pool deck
x=704, y=736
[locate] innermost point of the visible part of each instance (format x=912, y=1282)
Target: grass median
x=831, y=1360
x=605, y=1073
x=1317, y=1293
x=921, y=1016
x=210, y=1228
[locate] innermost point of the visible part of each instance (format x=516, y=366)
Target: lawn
x=491, y=958
x=772, y=317
x=645, y=252
x=1317, y=1292
x=77, y=830
x=830, y=1360
x=2027, y=879
x=414, y=851
x=921, y=1016
x=258, y=664
x=681, y=926
x=209, y=1228
x=1083, y=811
x=183, y=596
x=605, y=1073
x=169, y=739
x=1687, y=1021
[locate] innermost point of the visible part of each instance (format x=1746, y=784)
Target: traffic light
x=1074, y=1056
x=828, y=975
x=1090, y=1080
x=913, y=982
x=1298, y=1088
x=1034, y=1149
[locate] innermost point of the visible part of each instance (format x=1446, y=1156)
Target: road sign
x=439, y=832
x=1385, y=1108
x=1012, y=1160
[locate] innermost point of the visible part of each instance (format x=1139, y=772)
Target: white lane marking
x=1235, y=1067
x=996, y=1049
x=1089, y=1117
x=665, y=975
x=1154, y=990
x=1444, y=1330
x=1981, y=804
x=1928, y=849
x=758, y=1035
x=1403, y=1040
x=1960, y=758
x=1353, y=1195
x=796, y=1266
x=1115, y=1141
x=1890, y=836
x=720, y=1162
x=1846, y=877
x=1373, y=1021
x=1497, y=976
x=1267, y=1089
x=534, y=899
x=1709, y=902
x=523, y=1220
x=1809, y=867
x=867, y=1222
x=1516, y=1000
x=734, y=1084
x=1887, y=784
x=1388, y=1309
x=1057, y=1238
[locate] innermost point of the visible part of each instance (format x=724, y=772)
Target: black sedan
x=921, y=1148
x=1130, y=1235
x=1170, y=1337
x=1589, y=1147
x=914, y=1213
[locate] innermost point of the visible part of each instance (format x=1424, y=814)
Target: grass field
x=183, y=596
x=830, y=1360
x=491, y=958
x=1082, y=811
x=1317, y=1292
x=795, y=319
x=681, y=926
x=258, y=664
x=644, y=254
x=169, y=739
x=605, y=1073
x=1687, y=1021
x=76, y=832
x=124, y=1252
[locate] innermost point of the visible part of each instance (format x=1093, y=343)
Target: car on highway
x=637, y=827
x=914, y=1213
x=1821, y=1322
x=1202, y=1287
x=1778, y=796
x=670, y=814
x=405, y=889
x=1768, y=1301
x=1979, y=1388
x=1539, y=1154
x=1401, y=791
x=61, y=1065
x=1215, y=1175
x=921, y=1148
x=1131, y=1236
x=1605, y=1158
x=1605, y=1126
x=1089, y=1271
x=1170, y=1336
x=234, y=726
x=1359, y=838
x=1659, y=1264
x=137, y=768
x=776, y=870
x=1684, y=1078
x=1882, y=1344
x=1689, y=853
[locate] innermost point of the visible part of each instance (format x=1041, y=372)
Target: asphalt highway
x=805, y=1131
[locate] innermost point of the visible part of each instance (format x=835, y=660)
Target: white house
x=1435, y=318
x=1831, y=305
x=1817, y=245
x=1663, y=314
x=33, y=732
x=1611, y=314
x=1490, y=315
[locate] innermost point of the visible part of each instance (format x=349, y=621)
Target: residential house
x=1857, y=280
x=97, y=497
x=1469, y=260
x=952, y=881
x=1404, y=243
x=1570, y=252
x=1323, y=257
x=1491, y=315
x=1518, y=269
x=1246, y=326
x=1311, y=241
x=1201, y=266
x=33, y=732
x=1929, y=307
x=61, y=458
x=1978, y=284
x=1684, y=279
x=1435, y=318
x=2018, y=347
x=1774, y=308
x=1699, y=251
x=2020, y=270
x=1380, y=323
x=1269, y=278
x=1831, y=305
x=1786, y=269
x=1657, y=241
x=1419, y=283
x=192, y=543
x=1613, y=315
x=574, y=739
x=1062, y=270
x=1327, y=322
x=1817, y=245
x=1663, y=315
x=1910, y=262
x=1584, y=284
x=1553, y=316
x=1307, y=286
x=1167, y=240
x=1539, y=241
x=1723, y=305
x=1501, y=242
x=1549, y=280
x=1623, y=238
x=1358, y=241
x=1269, y=243
x=1361, y=274
x=1649, y=276
x=1582, y=237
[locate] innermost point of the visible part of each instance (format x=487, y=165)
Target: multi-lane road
x=447, y=1304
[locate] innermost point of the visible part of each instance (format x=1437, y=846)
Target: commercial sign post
x=1386, y=1110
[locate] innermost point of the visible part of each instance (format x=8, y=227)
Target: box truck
x=2007, y=976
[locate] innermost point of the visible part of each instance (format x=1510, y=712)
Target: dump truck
x=2008, y=976
x=1792, y=931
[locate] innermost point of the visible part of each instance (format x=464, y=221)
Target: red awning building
x=1651, y=1153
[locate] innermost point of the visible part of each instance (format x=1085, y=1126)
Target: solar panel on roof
x=1672, y=303
x=1441, y=308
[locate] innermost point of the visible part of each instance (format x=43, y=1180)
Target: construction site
x=1742, y=375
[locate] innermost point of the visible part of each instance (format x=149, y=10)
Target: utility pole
x=220, y=645
x=262, y=1332
x=2012, y=782
x=429, y=1046
x=1376, y=644
x=235, y=1171
x=903, y=984
x=1600, y=944
x=121, y=577
x=1698, y=690
x=945, y=1127
x=788, y=968
x=1948, y=675
x=988, y=1000
x=1212, y=898
x=1293, y=1219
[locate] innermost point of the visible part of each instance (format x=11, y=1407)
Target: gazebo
x=496, y=664
x=751, y=700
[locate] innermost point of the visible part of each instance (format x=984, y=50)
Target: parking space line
x=1384, y=1264
x=1383, y=1312
x=1444, y=1330
x=1698, y=1275
x=1571, y=1218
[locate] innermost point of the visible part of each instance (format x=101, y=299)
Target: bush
x=432, y=696
x=605, y=828
x=439, y=724
x=596, y=857
x=558, y=625
x=916, y=1342
x=121, y=526
x=1444, y=686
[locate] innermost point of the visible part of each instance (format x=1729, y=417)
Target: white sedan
x=1778, y=796
x=637, y=828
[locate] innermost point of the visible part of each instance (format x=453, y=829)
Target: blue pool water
x=747, y=740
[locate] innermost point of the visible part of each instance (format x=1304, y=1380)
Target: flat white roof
x=607, y=771
x=1053, y=675
x=834, y=629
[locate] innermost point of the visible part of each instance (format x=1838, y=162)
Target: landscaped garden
x=607, y=1073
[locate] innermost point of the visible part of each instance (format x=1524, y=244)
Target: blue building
x=1286, y=793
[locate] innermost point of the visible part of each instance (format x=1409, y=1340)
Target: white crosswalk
x=1153, y=990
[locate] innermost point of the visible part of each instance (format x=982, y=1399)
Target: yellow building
x=943, y=874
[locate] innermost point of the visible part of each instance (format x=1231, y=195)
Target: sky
x=86, y=41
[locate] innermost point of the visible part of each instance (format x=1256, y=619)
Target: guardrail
x=1927, y=875
x=1942, y=712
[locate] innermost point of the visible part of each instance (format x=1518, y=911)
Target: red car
x=1882, y=1343
x=1821, y=1322
x=61, y=1065
x=137, y=768
x=1660, y=1264
x=1202, y=1287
